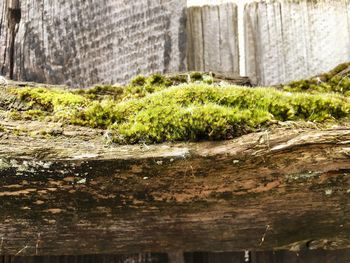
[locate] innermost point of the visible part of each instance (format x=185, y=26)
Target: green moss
x=201, y=77
x=28, y=115
x=338, y=69
x=208, y=79
x=34, y=115
x=200, y=112
x=139, y=80
x=196, y=112
x=152, y=109
x=97, y=114
x=196, y=76
x=336, y=84
x=140, y=86
x=101, y=92
x=327, y=82
x=175, y=123
x=179, y=79
x=14, y=115
x=158, y=80
x=105, y=90
x=49, y=99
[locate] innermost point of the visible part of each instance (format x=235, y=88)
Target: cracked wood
x=72, y=194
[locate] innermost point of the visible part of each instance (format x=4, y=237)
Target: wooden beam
x=72, y=194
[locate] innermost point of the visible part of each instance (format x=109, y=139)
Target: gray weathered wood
x=290, y=40
x=82, y=43
x=213, y=38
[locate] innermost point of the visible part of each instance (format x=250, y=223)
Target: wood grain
x=283, y=188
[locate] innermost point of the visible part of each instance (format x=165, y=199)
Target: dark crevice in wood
x=14, y=18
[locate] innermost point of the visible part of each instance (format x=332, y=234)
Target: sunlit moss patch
x=333, y=81
x=189, y=107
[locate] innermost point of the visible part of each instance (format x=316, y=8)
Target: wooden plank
x=73, y=194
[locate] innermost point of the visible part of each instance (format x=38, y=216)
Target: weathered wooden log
x=305, y=256
x=70, y=193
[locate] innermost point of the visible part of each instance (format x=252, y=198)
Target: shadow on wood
x=317, y=256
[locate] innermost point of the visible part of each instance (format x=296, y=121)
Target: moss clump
x=200, y=77
x=14, y=115
x=97, y=115
x=149, y=110
x=100, y=92
x=176, y=123
x=192, y=112
x=33, y=115
x=332, y=81
x=197, y=112
x=158, y=80
x=140, y=86
x=336, y=84
x=49, y=99
x=179, y=79
x=139, y=80
x=55, y=104
x=196, y=76
x=336, y=71
x=154, y=80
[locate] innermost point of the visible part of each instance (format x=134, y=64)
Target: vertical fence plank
x=290, y=40
x=213, y=38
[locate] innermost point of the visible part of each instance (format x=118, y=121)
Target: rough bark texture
x=290, y=40
x=72, y=194
x=213, y=38
x=89, y=42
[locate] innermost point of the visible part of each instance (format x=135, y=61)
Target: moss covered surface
x=158, y=108
x=337, y=81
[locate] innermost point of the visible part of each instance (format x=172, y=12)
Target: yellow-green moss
x=199, y=111
x=34, y=115
x=139, y=80
x=327, y=82
x=14, y=115
x=49, y=99
x=193, y=111
x=100, y=92
x=149, y=110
